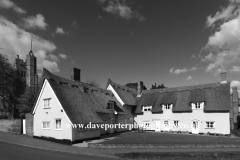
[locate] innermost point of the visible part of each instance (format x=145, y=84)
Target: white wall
x=42, y=114
x=222, y=123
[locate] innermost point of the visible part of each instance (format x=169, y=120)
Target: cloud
x=119, y=9
x=222, y=49
x=188, y=78
x=99, y=17
x=63, y=56
x=184, y=70
x=75, y=24
x=223, y=15
x=37, y=22
x=16, y=41
x=7, y=4
x=60, y=31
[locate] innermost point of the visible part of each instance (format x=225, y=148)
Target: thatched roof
x=125, y=93
x=81, y=107
x=148, y=99
x=215, y=95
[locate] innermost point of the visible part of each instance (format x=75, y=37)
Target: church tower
x=31, y=72
x=28, y=70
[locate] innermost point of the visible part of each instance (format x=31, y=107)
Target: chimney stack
x=139, y=88
x=17, y=56
x=75, y=74
x=223, y=77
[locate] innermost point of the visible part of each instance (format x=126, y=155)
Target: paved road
x=14, y=152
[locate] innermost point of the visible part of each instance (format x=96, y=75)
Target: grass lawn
x=169, y=139
x=181, y=156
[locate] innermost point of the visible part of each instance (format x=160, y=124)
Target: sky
x=178, y=43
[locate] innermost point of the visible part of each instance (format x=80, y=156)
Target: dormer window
x=147, y=108
x=110, y=106
x=167, y=106
x=85, y=89
x=197, y=105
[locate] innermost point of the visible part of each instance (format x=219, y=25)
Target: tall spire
x=31, y=52
x=31, y=42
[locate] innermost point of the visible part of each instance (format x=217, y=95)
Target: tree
x=26, y=101
x=135, y=86
x=11, y=86
x=155, y=86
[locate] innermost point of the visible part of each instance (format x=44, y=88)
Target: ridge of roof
x=127, y=94
x=185, y=88
x=48, y=75
x=121, y=86
x=216, y=96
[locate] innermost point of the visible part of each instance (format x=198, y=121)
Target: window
x=166, y=124
x=146, y=124
x=198, y=105
x=130, y=120
x=176, y=123
x=147, y=108
x=167, y=106
x=110, y=106
x=23, y=74
x=47, y=103
x=82, y=127
x=45, y=125
x=58, y=124
x=210, y=124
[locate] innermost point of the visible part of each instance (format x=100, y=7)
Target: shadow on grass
x=181, y=156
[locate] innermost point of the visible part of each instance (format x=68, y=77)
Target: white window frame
x=48, y=101
x=147, y=108
x=144, y=124
x=210, y=125
x=47, y=128
x=174, y=124
x=166, y=124
x=167, y=106
x=197, y=105
x=60, y=124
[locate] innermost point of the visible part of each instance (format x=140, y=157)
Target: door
x=112, y=125
x=166, y=125
x=157, y=127
x=195, y=126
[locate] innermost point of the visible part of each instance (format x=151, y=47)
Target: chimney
x=139, y=88
x=234, y=109
x=75, y=74
x=223, y=77
x=17, y=56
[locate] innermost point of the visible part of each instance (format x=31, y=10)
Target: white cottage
x=199, y=109
x=62, y=104
x=193, y=109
